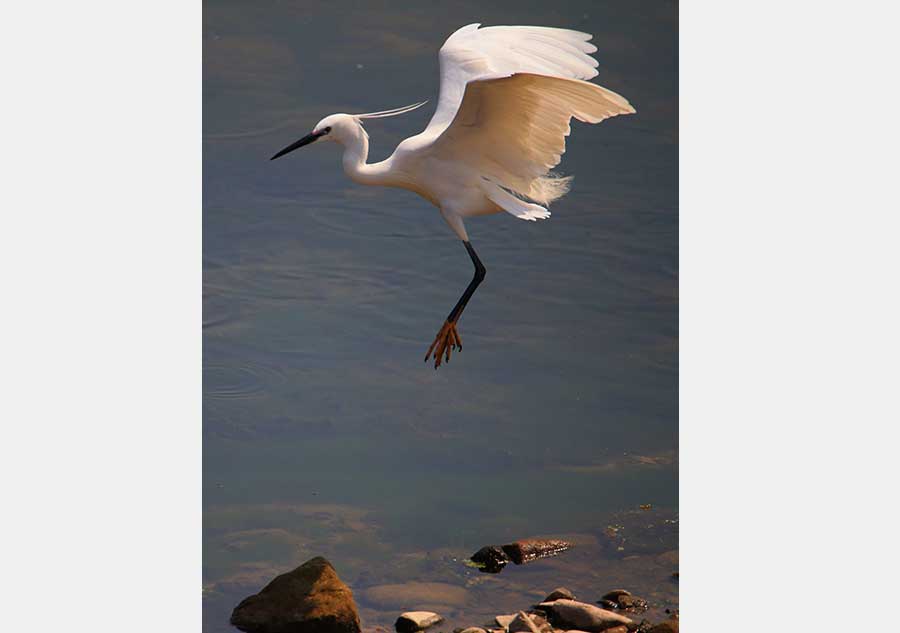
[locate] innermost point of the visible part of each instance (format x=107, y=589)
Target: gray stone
x=569, y=614
x=416, y=621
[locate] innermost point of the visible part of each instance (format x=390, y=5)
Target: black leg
x=480, y=272
x=448, y=338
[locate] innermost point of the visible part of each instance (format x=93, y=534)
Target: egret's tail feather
x=514, y=205
x=549, y=188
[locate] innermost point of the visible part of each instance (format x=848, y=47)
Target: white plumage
x=507, y=95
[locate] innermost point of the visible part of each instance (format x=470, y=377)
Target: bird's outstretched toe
x=445, y=342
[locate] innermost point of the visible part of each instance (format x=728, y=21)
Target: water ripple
x=227, y=382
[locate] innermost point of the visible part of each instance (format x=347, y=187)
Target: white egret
x=507, y=95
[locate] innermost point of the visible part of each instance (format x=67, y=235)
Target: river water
x=325, y=433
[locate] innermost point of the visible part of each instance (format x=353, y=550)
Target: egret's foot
x=444, y=343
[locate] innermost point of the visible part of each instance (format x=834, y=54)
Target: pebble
x=622, y=599
x=580, y=615
x=560, y=593
x=416, y=621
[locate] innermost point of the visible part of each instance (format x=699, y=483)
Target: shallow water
x=324, y=432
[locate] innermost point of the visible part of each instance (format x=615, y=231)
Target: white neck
x=356, y=151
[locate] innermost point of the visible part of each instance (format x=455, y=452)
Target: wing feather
x=473, y=53
x=506, y=98
x=514, y=129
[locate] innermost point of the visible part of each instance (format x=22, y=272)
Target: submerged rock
x=490, y=559
x=427, y=595
x=416, y=621
x=560, y=593
x=531, y=549
x=641, y=532
x=309, y=599
x=569, y=614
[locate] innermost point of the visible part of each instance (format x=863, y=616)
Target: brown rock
x=560, y=593
x=668, y=626
x=491, y=559
x=309, y=599
x=531, y=549
x=624, y=600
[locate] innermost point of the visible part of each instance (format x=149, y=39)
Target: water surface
x=324, y=432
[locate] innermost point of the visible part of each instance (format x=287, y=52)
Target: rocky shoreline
x=313, y=599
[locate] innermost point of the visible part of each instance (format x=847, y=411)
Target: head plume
x=387, y=113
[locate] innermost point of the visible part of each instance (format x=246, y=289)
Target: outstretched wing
x=507, y=95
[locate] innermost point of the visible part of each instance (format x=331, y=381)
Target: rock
x=416, y=594
x=491, y=559
x=473, y=629
x=668, y=626
x=309, y=599
x=632, y=603
x=560, y=593
x=530, y=623
x=570, y=614
x=531, y=549
x=505, y=620
x=416, y=621
x=623, y=600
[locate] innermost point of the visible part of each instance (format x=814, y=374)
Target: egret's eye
x=326, y=130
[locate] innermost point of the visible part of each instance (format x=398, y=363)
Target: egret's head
x=342, y=128
x=333, y=127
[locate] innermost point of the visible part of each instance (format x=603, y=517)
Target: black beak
x=306, y=140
